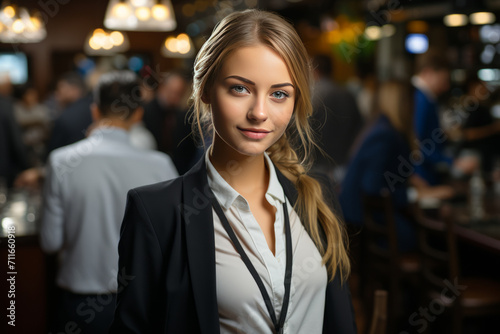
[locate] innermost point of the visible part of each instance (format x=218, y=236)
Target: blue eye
x=239, y=89
x=280, y=95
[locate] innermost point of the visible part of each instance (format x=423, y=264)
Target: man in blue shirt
x=430, y=81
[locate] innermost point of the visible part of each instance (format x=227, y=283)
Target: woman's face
x=252, y=101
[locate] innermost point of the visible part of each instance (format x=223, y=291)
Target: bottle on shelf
x=477, y=189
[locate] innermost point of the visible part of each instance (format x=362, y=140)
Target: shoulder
x=163, y=193
x=159, y=204
x=382, y=130
x=156, y=159
x=421, y=101
x=67, y=153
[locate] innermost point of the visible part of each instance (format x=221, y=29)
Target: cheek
x=283, y=116
x=225, y=108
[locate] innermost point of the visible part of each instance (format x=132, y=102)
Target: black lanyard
x=288, y=271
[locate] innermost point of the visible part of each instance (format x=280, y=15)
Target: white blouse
x=241, y=306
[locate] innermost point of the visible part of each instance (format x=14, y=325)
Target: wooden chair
x=446, y=292
x=383, y=265
x=379, y=316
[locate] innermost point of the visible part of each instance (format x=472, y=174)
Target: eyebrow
x=250, y=82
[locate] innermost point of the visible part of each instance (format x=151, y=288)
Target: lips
x=254, y=133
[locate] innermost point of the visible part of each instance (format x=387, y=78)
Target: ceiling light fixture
x=482, y=18
x=17, y=25
x=104, y=43
x=180, y=46
x=140, y=15
x=455, y=20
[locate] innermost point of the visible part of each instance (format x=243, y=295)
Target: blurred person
x=84, y=200
x=431, y=80
x=148, y=91
x=34, y=120
x=336, y=118
x=180, y=238
x=160, y=114
x=481, y=131
x=382, y=154
x=13, y=153
x=140, y=136
x=363, y=87
x=165, y=118
x=6, y=87
x=71, y=126
x=366, y=96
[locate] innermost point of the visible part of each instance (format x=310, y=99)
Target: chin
x=252, y=150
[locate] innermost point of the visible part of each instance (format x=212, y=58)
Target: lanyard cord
x=288, y=271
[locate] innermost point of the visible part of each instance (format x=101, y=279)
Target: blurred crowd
x=33, y=127
x=372, y=135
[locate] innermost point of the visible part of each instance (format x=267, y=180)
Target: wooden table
x=485, y=233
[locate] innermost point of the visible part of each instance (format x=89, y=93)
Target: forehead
x=257, y=63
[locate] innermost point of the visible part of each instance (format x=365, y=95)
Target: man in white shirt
x=84, y=201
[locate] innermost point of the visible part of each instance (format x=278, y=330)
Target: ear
x=205, y=98
x=137, y=115
x=95, y=112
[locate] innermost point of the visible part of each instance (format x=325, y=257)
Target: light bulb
x=107, y=43
x=18, y=26
x=9, y=11
x=160, y=12
x=183, y=37
x=99, y=37
x=139, y=3
x=171, y=44
x=116, y=38
x=94, y=43
x=183, y=46
x=482, y=18
x=455, y=20
x=35, y=22
x=373, y=33
x=121, y=10
x=143, y=13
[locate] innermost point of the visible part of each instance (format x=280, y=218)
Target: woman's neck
x=246, y=174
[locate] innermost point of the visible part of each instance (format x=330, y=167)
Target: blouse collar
x=226, y=195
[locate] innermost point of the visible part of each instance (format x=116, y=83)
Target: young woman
x=244, y=242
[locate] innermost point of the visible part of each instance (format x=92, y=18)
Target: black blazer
x=166, y=272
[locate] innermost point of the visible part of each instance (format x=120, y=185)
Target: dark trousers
x=83, y=313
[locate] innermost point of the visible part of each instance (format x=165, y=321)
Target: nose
x=258, y=110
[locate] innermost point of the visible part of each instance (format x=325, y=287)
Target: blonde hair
x=395, y=102
x=248, y=28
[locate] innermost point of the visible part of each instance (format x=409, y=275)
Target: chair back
x=380, y=232
x=438, y=249
x=379, y=315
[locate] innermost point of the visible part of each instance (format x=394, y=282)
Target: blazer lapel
x=197, y=214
